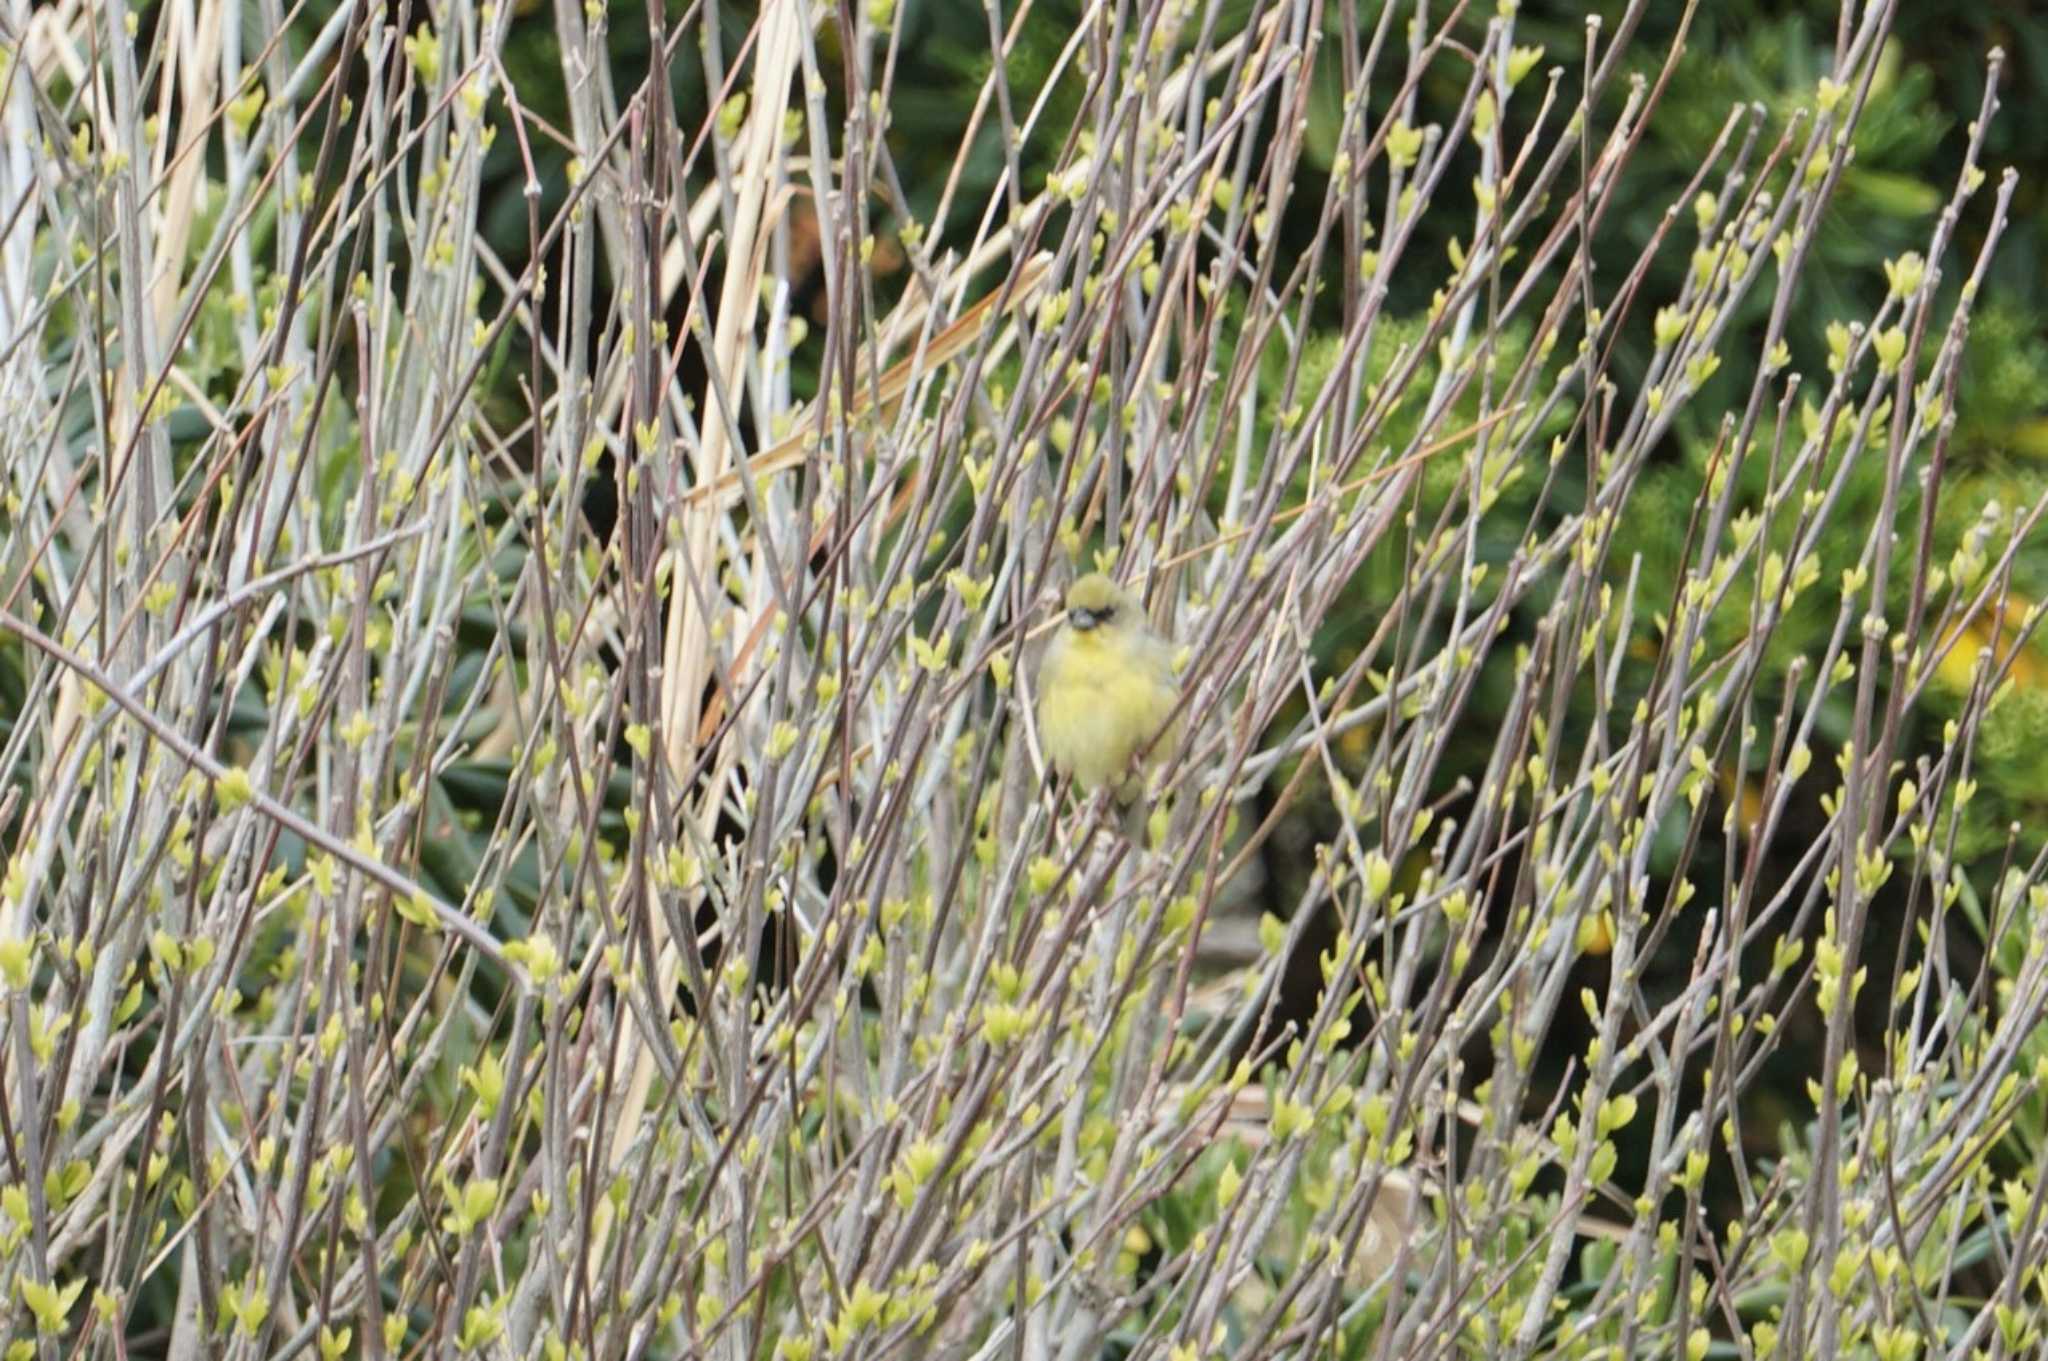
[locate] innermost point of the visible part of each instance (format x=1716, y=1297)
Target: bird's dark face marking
x=1091, y=602
x=1084, y=619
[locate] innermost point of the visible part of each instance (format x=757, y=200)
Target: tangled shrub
x=525, y=832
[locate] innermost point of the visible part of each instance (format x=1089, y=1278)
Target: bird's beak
x=1081, y=619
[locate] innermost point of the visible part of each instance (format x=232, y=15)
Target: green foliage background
x=1909, y=151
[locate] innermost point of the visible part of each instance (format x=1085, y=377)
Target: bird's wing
x=1051, y=660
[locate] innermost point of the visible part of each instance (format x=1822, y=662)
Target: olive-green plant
x=524, y=832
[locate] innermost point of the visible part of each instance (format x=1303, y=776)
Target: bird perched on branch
x=1106, y=691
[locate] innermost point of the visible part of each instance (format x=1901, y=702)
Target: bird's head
x=1096, y=602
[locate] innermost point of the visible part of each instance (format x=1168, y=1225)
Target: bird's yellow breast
x=1102, y=695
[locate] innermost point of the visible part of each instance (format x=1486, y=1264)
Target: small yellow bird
x=1105, y=689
